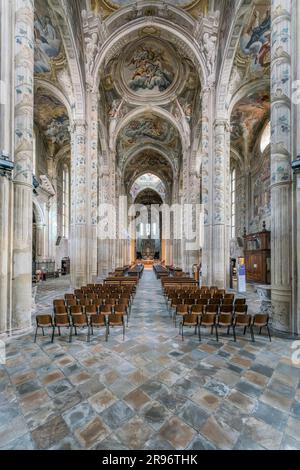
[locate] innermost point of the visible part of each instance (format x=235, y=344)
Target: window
x=233, y=202
x=66, y=202
x=265, y=138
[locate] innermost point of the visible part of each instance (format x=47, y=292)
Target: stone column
x=281, y=177
x=78, y=239
x=106, y=223
x=23, y=158
x=5, y=206
x=296, y=211
x=92, y=149
x=206, y=169
x=6, y=92
x=221, y=205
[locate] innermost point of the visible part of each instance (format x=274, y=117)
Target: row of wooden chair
x=79, y=321
x=105, y=307
x=200, y=309
x=225, y=320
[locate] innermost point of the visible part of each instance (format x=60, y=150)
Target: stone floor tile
x=135, y=433
x=177, y=433
x=219, y=433
x=262, y=433
x=50, y=434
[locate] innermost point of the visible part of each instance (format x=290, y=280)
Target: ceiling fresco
x=148, y=196
x=48, y=50
x=148, y=181
x=106, y=7
x=249, y=117
x=147, y=162
x=148, y=129
x=149, y=69
x=255, y=43
x=52, y=119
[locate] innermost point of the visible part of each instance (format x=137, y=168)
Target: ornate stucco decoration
x=206, y=34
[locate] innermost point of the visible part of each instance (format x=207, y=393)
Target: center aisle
x=149, y=303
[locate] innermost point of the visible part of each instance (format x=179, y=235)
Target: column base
x=282, y=310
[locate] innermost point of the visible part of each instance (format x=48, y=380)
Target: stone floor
x=151, y=391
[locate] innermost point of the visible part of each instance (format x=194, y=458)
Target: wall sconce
x=296, y=169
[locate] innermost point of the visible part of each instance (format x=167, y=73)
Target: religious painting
x=149, y=69
x=51, y=116
x=48, y=41
x=256, y=41
x=112, y=5
x=248, y=118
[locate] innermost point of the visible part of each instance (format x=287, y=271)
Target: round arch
x=153, y=110
x=160, y=151
x=45, y=85
x=180, y=37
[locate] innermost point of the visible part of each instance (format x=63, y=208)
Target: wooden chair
x=241, y=320
x=121, y=309
x=116, y=320
x=99, y=321
x=80, y=321
x=208, y=319
x=225, y=319
x=180, y=310
x=44, y=321
x=62, y=321
x=228, y=301
x=260, y=321
x=191, y=321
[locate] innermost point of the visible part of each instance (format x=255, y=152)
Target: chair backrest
x=229, y=296
x=228, y=301
x=92, y=295
x=191, y=319
x=241, y=309
x=60, y=310
x=197, y=309
x=182, y=309
x=261, y=319
x=225, y=318
x=91, y=309
x=69, y=296
x=62, y=320
x=97, y=320
x=44, y=320
x=76, y=309
x=240, y=302
x=202, y=301
x=209, y=318
x=119, y=310
x=57, y=302
x=107, y=308
x=79, y=319
x=71, y=302
x=226, y=309
x=206, y=296
x=212, y=308
x=116, y=319
x=85, y=302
